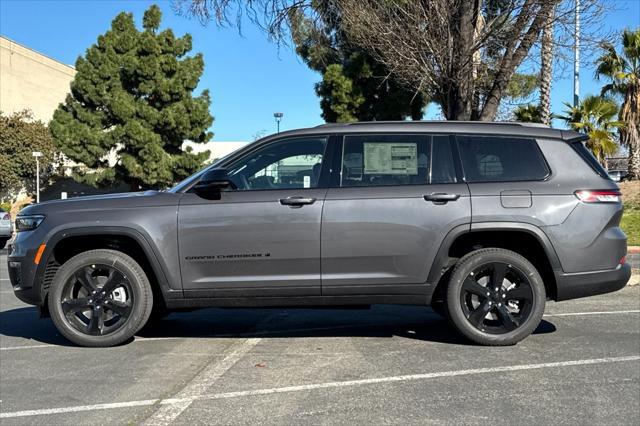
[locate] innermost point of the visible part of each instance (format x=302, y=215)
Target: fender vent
x=49, y=272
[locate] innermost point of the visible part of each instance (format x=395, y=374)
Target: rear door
x=263, y=238
x=396, y=196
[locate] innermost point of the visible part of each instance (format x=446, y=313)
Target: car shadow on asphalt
x=381, y=321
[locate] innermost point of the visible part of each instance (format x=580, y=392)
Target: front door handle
x=441, y=197
x=296, y=202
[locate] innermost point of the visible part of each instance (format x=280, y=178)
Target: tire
x=95, y=318
x=512, y=311
x=3, y=243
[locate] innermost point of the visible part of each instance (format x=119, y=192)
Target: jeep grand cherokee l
x=485, y=222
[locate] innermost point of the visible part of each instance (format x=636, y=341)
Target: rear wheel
x=3, y=242
x=495, y=297
x=100, y=298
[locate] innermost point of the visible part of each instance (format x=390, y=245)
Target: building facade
x=31, y=80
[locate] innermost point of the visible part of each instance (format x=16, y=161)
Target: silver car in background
x=6, y=229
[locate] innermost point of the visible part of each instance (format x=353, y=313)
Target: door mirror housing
x=212, y=182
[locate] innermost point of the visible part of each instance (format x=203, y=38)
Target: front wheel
x=495, y=297
x=100, y=298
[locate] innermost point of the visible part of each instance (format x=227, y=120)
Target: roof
x=460, y=127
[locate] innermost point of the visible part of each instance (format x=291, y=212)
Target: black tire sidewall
x=472, y=261
x=140, y=286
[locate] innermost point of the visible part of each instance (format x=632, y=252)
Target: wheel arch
x=68, y=242
x=537, y=248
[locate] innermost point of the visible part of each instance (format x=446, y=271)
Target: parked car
x=617, y=175
x=6, y=230
x=482, y=221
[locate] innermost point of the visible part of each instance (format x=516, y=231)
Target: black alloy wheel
x=97, y=300
x=100, y=298
x=496, y=298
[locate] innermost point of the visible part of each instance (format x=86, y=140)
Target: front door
x=397, y=198
x=263, y=238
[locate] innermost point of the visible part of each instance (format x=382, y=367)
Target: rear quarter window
x=588, y=157
x=501, y=159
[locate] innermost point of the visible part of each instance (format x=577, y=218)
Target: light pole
x=37, y=155
x=576, y=57
x=278, y=117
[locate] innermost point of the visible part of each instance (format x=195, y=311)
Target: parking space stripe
x=77, y=409
x=572, y=314
x=17, y=348
x=200, y=384
x=186, y=401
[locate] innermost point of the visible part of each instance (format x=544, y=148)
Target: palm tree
x=529, y=113
x=596, y=117
x=546, y=71
x=623, y=72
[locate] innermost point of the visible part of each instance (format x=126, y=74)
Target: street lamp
x=37, y=154
x=278, y=117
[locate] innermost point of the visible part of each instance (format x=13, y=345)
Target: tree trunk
x=514, y=55
x=546, y=71
x=461, y=92
x=634, y=163
x=630, y=133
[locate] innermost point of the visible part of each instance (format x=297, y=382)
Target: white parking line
x=574, y=314
x=200, y=384
x=327, y=385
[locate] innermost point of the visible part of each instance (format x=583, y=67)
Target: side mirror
x=212, y=182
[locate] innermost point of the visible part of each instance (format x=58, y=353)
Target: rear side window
x=499, y=159
x=379, y=160
x=588, y=157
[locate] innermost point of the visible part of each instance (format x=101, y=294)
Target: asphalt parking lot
x=389, y=364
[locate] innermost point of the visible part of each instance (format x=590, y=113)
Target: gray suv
x=484, y=222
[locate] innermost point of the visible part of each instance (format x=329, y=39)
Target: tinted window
x=587, y=156
x=497, y=159
x=375, y=160
x=292, y=163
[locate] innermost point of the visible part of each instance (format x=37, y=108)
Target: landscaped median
x=631, y=226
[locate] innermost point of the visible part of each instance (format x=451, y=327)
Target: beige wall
x=30, y=80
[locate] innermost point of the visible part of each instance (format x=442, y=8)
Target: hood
x=104, y=202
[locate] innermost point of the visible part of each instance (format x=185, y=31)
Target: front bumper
x=24, y=273
x=584, y=284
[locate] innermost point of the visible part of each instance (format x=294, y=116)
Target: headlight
x=28, y=223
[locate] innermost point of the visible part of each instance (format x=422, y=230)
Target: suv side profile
x=484, y=222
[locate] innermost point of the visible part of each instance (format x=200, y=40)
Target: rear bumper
x=583, y=284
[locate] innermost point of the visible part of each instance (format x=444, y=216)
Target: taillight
x=598, y=196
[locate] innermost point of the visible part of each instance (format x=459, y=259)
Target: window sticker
x=306, y=181
x=391, y=158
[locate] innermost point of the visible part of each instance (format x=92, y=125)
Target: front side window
x=500, y=159
x=380, y=160
x=288, y=164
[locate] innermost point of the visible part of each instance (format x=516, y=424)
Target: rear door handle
x=296, y=201
x=441, y=197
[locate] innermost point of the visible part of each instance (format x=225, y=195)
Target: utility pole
x=576, y=58
x=278, y=116
x=37, y=155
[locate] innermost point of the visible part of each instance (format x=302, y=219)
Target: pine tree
x=354, y=86
x=133, y=95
